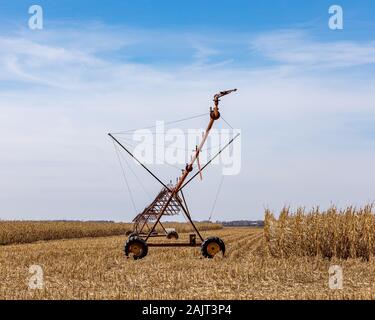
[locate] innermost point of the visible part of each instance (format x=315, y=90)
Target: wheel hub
x=135, y=249
x=213, y=248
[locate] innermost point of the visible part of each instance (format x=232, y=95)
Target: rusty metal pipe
x=214, y=115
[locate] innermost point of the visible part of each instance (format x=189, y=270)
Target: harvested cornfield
x=13, y=232
x=96, y=268
x=31, y=231
x=346, y=233
x=186, y=227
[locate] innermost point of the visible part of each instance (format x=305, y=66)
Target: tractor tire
x=132, y=234
x=172, y=235
x=137, y=247
x=211, y=246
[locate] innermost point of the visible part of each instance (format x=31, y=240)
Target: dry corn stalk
x=31, y=231
x=347, y=233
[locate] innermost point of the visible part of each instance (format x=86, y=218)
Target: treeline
x=242, y=223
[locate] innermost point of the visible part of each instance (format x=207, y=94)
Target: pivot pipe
x=214, y=115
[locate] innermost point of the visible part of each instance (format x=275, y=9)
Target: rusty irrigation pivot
x=171, y=201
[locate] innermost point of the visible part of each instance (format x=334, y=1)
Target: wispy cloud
x=71, y=87
x=67, y=58
x=299, y=48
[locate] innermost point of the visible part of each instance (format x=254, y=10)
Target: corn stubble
x=346, y=233
x=285, y=260
x=95, y=268
x=13, y=232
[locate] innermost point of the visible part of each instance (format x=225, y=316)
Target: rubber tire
x=132, y=234
x=132, y=240
x=207, y=241
x=172, y=235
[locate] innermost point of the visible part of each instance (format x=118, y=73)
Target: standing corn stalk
x=348, y=233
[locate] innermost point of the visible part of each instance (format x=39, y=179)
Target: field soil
x=96, y=268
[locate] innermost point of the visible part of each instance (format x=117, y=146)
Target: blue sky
x=195, y=14
x=304, y=105
x=222, y=24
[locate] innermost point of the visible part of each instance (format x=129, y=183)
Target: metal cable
x=135, y=175
x=168, y=164
x=125, y=140
x=217, y=196
x=226, y=122
x=167, y=123
x=125, y=179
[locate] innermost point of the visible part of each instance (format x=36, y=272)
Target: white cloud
x=299, y=48
x=57, y=162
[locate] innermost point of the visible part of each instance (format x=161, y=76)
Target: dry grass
x=348, y=233
x=286, y=260
x=186, y=227
x=12, y=232
x=97, y=269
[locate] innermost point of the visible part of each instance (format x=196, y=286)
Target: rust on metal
x=168, y=201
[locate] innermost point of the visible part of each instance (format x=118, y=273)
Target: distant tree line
x=242, y=223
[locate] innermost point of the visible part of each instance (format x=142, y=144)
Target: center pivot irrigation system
x=170, y=201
